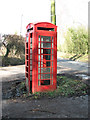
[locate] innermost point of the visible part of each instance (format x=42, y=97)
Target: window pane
x=47, y=57
x=30, y=72
x=41, y=65
x=30, y=56
x=47, y=51
x=52, y=51
x=30, y=50
x=38, y=76
x=38, y=64
x=30, y=78
x=27, y=39
x=38, y=51
x=41, y=50
x=39, y=45
x=31, y=40
x=45, y=45
x=45, y=70
x=52, y=57
x=48, y=64
x=39, y=83
x=46, y=38
x=30, y=61
x=39, y=38
x=38, y=70
x=52, y=63
x=39, y=57
x=45, y=76
x=30, y=45
x=52, y=45
x=30, y=67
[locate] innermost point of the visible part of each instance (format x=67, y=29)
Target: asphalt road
x=63, y=66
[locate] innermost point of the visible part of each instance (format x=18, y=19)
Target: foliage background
x=76, y=41
x=13, y=50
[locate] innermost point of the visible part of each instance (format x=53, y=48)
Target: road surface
x=66, y=65
x=63, y=66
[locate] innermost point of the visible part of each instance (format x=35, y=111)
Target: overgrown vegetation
x=66, y=87
x=76, y=42
x=14, y=50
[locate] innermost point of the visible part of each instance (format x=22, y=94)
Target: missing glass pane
x=48, y=64
x=27, y=51
x=27, y=44
x=27, y=69
x=46, y=51
x=27, y=57
x=27, y=63
x=45, y=82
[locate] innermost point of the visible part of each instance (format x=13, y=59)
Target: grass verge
x=66, y=87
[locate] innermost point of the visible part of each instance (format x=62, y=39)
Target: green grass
x=66, y=87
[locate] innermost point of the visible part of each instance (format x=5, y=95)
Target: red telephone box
x=41, y=57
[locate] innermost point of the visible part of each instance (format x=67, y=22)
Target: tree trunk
x=8, y=50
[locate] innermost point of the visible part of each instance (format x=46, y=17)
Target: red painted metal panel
x=44, y=59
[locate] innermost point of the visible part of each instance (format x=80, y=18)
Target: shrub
x=76, y=40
